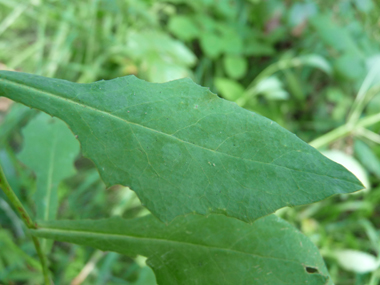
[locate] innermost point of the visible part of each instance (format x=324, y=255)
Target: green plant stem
x=16, y=223
x=88, y=268
x=344, y=130
x=15, y=201
x=274, y=67
x=365, y=133
x=43, y=261
x=365, y=94
x=282, y=64
x=250, y=91
x=4, y=185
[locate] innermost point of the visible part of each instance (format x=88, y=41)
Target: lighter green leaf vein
x=107, y=236
x=87, y=107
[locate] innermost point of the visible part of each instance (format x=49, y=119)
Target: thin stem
x=282, y=64
x=354, y=117
x=42, y=260
x=15, y=201
x=4, y=185
x=8, y=21
x=344, y=130
x=368, y=121
x=375, y=277
x=369, y=135
x=16, y=222
x=364, y=95
x=331, y=136
x=268, y=71
x=88, y=268
x=274, y=67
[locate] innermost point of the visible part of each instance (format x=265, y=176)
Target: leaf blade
x=203, y=250
x=182, y=149
x=49, y=150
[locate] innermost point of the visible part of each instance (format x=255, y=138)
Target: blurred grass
x=312, y=66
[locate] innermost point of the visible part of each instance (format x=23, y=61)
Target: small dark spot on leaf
x=311, y=270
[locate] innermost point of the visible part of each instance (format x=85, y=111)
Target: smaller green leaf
x=50, y=150
x=160, y=57
x=272, y=88
x=235, y=66
x=331, y=34
x=316, y=61
x=212, y=45
x=232, y=41
x=183, y=27
x=230, y=89
x=203, y=250
x=350, y=65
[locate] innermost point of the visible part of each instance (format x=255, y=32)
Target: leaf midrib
x=50, y=174
x=107, y=235
x=88, y=107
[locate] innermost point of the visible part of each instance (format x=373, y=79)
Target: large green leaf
x=182, y=149
x=203, y=250
x=49, y=150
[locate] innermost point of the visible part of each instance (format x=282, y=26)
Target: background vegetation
x=312, y=66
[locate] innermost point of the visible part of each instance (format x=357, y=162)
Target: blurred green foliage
x=312, y=66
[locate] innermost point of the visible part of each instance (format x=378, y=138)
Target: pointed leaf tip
x=203, y=250
x=182, y=149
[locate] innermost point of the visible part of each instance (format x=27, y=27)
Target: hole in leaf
x=311, y=270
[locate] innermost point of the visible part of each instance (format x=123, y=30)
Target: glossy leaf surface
x=203, y=250
x=182, y=149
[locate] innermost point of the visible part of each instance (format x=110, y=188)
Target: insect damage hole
x=311, y=270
